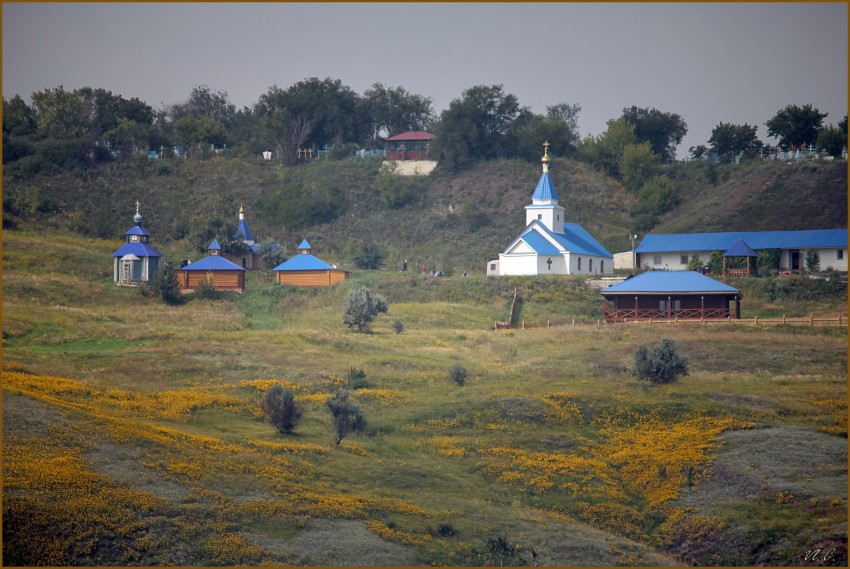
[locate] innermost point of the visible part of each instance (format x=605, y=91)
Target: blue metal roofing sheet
x=756, y=239
x=304, y=245
x=214, y=246
x=138, y=249
x=303, y=262
x=545, y=189
x=670, y=282
x=577, y=240
x=540, y=244
x=213, y=263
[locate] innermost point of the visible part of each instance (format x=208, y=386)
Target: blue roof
x=304, y=245
x=540, y=244
x=740, y=249
x=214, y=246
x=670, y=282
x=242, y=232
x=213, y=263
x=545, y=189
x=137, y=249
x=673, y=242
x=137, y=230
x=303, y=262
x=577, y=240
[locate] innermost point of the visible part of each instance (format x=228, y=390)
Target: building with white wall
x=549, y=245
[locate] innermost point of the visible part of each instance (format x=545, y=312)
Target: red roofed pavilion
x=411, y=145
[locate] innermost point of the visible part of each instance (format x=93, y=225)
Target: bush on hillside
x=283, y=410
x=458, y=374
x=164, y=285
x=369, y=256
x=346, y=415
x=361, y=307
x=660, y=365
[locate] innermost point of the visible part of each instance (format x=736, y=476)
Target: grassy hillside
x=133, y=435
x=453, y=222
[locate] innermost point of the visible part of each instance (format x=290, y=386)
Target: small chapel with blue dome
x=137, y=260
x=549, y=245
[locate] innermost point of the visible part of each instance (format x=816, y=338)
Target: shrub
x=370, y=256
x=356, y=378
x=446, y=530
x=164, y=285
x=812, y=261
x=458, y=374
x=361, y=307
x=206, y=290
x=346, y=415
x=660, y=365
x=398, y=326
x=284, y=411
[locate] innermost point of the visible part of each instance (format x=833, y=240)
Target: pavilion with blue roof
x=548, y=245
x=304, y=269
x=136, y=260
x=214, y=269
x=665, y=295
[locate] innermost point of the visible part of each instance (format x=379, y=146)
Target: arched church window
x=601, y=266
x=579, y=263
x=590, y=266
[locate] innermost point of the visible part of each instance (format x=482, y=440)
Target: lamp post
x=634, y=259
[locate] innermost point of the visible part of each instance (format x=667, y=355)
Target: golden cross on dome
x=546, y=148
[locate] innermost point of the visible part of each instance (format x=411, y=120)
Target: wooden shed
x=306, y=270
x=667, y=295
x=223, y=274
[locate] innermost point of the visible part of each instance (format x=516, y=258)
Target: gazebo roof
x=740, y=249
x=411, y=135
x=670, y=282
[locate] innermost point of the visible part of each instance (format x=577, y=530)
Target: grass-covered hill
x=132, y=430
x=450, y=221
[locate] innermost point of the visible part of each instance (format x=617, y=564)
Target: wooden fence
x=812, y=320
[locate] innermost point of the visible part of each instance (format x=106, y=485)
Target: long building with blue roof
x=549, y=245
x=307, y=270
x=674, y=251
x=136, y=260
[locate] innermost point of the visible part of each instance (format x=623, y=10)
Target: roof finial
x=545, y=159
x=138, y=217
x=241, y=211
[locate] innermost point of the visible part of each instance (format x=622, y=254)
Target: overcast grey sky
x=709, y=62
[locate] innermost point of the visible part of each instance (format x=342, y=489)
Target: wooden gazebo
x=670, y=295
x=412, y=145
x=739, y=249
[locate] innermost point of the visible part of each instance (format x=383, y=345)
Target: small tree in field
x=164, y=285
x=346, y=415
x=361, y=307
x=458, y=374
x=280, y=405
x=660, y=365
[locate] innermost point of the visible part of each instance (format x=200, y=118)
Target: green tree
x=662, y=364
x=164, y=285
x=60, y=113
x=396, y=191
x=477, y=126
x=730, y=140
x=202, y=131
x=812, y=261
x=204, y=231
x=204, y=102
x=347, y=416
x=795, y=125
x=663, y=131
x=369, y=256
x=390, y=111
x=832, y=140
x=18, y=117
x=638, y=165
x=604, y=151
x=283, y=410
x=656, y=197
x=361, y=306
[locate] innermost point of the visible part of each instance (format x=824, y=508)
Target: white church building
x=549, y=245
